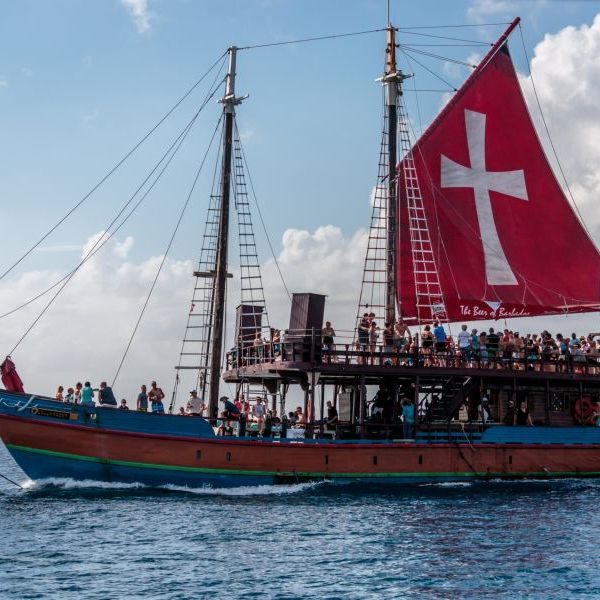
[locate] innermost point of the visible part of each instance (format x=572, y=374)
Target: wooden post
x=362, y=405
x=322, y=428
x=547, y=404
x=416, y=402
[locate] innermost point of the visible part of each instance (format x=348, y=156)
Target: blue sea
x=532, y=539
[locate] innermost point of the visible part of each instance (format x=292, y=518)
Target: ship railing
x=308, y=346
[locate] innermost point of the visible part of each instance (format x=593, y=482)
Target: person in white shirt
x=195, y=406
x=258, y=411
x=464, y=344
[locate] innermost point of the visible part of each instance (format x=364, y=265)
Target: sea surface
x=531, y=539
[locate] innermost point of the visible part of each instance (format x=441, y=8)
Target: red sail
x=505, y=240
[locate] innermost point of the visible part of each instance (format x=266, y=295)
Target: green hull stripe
x=320, y=474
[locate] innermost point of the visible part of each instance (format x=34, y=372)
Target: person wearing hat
x=231, y=411
x=195, y=406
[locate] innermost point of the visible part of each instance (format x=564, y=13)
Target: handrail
x=304, y=350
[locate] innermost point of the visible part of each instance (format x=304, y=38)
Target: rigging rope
x=537, y=99
x=11, y=481
x=113, y=169
x=452, y=88
x=102, y=241
x=438, y=56
x=168, y=248
x=444, y=37
x=68, y=278
x=262, y=222
x=312, y=39
x=458, y=26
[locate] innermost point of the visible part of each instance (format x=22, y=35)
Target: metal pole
x=218, y=318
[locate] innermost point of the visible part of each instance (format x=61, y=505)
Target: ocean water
x=480, y=540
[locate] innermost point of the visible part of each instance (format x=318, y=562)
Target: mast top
x=390, y=51
x=229, y=100
x=392, y=77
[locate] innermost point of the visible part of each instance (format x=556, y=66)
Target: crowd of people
x=85, y=394
x=434, y=345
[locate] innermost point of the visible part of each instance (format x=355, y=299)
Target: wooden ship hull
x=51, y=440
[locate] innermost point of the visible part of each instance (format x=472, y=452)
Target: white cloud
x=26, y=72
x=139, y=12
x=473, y=59
x=84, y=334
x=323, y=261
x=566, y=73
x=481, y=10
x=3, y=81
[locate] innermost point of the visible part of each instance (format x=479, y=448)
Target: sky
x=82, y=82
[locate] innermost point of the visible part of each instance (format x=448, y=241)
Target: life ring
x=585, y=411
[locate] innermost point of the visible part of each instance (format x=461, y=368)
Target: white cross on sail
x=510, y=183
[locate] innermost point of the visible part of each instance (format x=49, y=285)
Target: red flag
x=505, y=240
x=10, y=378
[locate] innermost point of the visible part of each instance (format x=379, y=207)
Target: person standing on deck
x=408, y=419
x=195, y=406
x=142, y=400
x=77, y=394
x=401, y=335
x=328, y=334
x=332, y=416
x=509, y=417
x=475, y=354
x=464, y=344
x=440, y=339
x=87, y=394
x=493, y=341
x=156, y=395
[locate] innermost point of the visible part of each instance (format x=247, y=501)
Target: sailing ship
x=444, y=245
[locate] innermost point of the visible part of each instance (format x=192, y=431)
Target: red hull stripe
x=470, y=474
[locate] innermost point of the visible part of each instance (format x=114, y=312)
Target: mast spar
x=392, y=81
x=229, y=102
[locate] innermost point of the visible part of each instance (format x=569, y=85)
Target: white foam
x=448, y=484
x=259, y=490
x=66, y=483
x=247, y=490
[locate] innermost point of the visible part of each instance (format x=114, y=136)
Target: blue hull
x=47, y=468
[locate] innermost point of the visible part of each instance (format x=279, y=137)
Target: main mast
x=229, y=102
x=391, y=83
